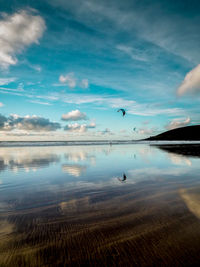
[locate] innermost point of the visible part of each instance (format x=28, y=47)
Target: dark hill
x=188, y=133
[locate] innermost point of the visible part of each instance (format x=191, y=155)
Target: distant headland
x=188, y=133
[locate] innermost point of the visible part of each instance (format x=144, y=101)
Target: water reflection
x=179, y=159
x=192, y=199
x=123, y=179
x=26, y=158
x=189, y=150
x=81, y=202
x=32, y=158
x=97, y=165
x=74, y=169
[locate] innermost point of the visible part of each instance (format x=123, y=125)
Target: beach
x=70, y=206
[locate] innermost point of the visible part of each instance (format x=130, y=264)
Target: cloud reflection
x=74, y=204
x=179, y=159
x=74, y=169
x=77, y=156
x=26, y=158
x=192, y=200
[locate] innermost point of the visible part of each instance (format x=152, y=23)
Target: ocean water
x=99, y=204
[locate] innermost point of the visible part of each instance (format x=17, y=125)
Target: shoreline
x=82, y=143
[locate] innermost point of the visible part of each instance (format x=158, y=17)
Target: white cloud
x=27, y=123
x=5, y=81
x=80, y=128
x=40, y=102
x=131, y=106
x=176, y=123
x=173, y=32
x=191, y=82
x=18, y=31
x=102, y=102
x=74, y=115
x=1, y=104
x=38, y=68
x=84, y=83
x=68, y=79
x=134, y=53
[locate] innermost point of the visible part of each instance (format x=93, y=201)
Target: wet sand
x=145, y=225
x=71, y=218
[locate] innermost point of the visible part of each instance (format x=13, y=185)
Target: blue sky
x=66, y=67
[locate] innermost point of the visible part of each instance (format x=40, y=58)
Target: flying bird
x=123, y=111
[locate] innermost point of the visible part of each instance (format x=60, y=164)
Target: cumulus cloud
x=74, y=115
x=68, y=79
x=71, y=81
x=28, y=123
x=79, y=128
x=3, y=119
x=176, y=123
x=18, y=31
x=191, y=82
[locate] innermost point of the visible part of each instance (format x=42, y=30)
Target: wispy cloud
x=40, y=103
x=131, y=106
x=38, y=68
x=134, y=53
x=6, y=81
x=84, y=83
x=176, y=123
x=18, y=31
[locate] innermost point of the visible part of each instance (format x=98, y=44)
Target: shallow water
x=103, y=205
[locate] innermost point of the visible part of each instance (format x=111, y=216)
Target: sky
x=66, y=67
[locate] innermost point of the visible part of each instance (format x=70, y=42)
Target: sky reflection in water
x=55, y=199
x=89, y=167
